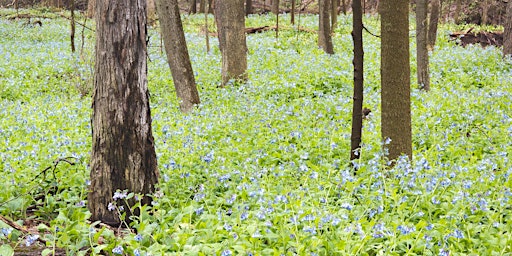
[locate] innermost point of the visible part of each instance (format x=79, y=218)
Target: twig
x=81, y=24
x=364, y=27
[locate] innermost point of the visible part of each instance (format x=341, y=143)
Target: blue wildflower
x=31, y=239
x=120, y=195
x=118, y=250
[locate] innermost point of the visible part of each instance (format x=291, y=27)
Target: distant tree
x=357, y=106
x=456, y=17
x=395, y=78
x=202, y=6
x=432, y=23
x=177, y=53
x=275, y=7
x=193, y=7
x=324, y=27
x=422, y=70
x=123, y=151
x=485, y=10
x=334, y=14
x=230, y=19
x=507, y=36
x=292, y=12
x=248, y=7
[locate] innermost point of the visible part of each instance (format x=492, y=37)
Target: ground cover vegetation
x=262, y=168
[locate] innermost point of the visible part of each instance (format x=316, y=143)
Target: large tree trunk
x=422, y=70
x=395, y=78
x=123, y=151
x=177, y=54
x=507, y=36
x=324, y=27
x=357, y=106
x=230, y=19
x=432, y=24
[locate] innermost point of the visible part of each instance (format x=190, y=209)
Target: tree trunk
x=193, y=7
x=210, y=6
x=151, y=10
x=177, y=54
x=395, y=78
x=292, y=13
x=91, y=7
x=72, y=32
x=202, y=6
x=432, y=24
x=334, y=14
x=507, y=36
x=248, y=7
x=230, y=19
x=344, y=7
x=457, y=11
x=123, y=151
x=324, y=27
x=422, y=70
x=485, y=10
x=275, y=7
x=357, y=106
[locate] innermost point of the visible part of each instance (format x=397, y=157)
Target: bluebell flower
x=136, y=252
x=118, y=250
x=31, y=239
x=228, y=227
x=120, y=195
x=111, y=206
x=444, y=252
x=6, y=231
x=311, y=230
x=199, y=210
x=138, y=237
x=404, y=230
x=244, y=216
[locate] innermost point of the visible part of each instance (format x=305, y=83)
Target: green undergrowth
x=262, y=168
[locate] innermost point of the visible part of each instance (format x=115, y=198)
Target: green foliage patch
x=262, y=168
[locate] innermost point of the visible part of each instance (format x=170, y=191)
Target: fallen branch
x=20, y=228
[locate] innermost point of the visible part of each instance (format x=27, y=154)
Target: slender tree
x=292, y=13
x=334, y=14
x=177, y=53
x=248, y=7
x=193, y=7
x=395, y=78
x=230, y=19
x=324, y=27
x=123, y=151
x=275, y=7
x=432, y=23
x=422, y=70
x=485, y=10
x=507, y=36
x=458, y=4
x=357, y=107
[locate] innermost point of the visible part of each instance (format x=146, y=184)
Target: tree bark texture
x=456, y=15
x=422, y=70
x=432, y=23
x=507, y=36
x=123, y=151
x=292, y=13
x=357, y=106
x=485, y=11
x=324, y=27
x=177, y=54
x=230, y=19
x=193, y=7
x=395, y=78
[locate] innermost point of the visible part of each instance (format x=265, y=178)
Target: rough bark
x=177, y=54
x=123, y=153
x=507, y=35
x=395, y=78
x=422, y=70
x=151, y=9
x=344, y=7
x=202, y=6
x=456, y=15
x=432, y=24
x=324, y=27
x=230, y=19
x=357, y=106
